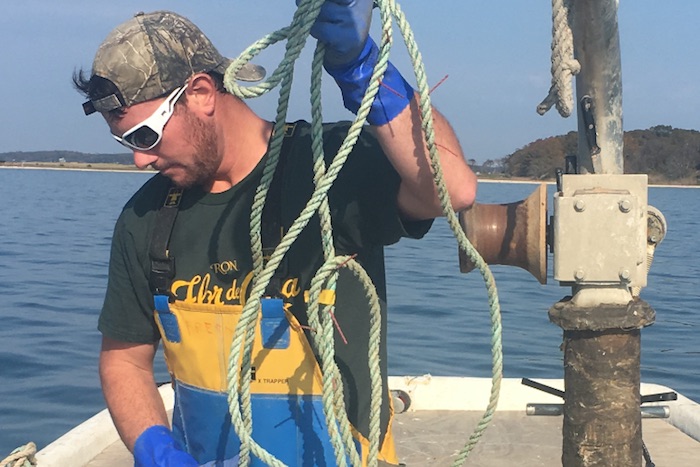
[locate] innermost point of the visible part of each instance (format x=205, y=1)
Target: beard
x=206, y=160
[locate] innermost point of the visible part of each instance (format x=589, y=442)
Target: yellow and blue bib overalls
x=286, y=387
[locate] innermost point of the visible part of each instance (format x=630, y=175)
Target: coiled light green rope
x=241, y=346
x=23, y=456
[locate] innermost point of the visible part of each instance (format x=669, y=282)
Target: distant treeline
x=666, y=154
x=66, y=156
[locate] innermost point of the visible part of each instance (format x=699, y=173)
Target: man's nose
x=143, y=159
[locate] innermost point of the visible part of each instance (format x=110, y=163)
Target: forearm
x=403, y=141
x=130, y=391
x=351, y=57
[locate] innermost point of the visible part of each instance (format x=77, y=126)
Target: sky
x=495, y=54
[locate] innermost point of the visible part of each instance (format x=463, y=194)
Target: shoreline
x=81, y=167
x=107, y=167
x=552, y=182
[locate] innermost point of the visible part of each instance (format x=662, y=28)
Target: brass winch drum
x=512, y=234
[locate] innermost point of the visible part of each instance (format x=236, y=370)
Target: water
x=54, y=249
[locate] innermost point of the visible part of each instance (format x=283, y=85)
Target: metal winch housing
x=599, y=230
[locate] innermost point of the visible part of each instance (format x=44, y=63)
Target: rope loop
x=239, y=364
x=564, y=65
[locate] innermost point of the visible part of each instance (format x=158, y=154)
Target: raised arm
x=343, y=26
x=403, y=142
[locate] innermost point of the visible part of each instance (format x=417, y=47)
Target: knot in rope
x=564, y=65
x=23, y=456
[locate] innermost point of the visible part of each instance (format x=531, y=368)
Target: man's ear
x=201, y=94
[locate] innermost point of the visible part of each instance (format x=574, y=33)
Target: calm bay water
x=54, y=246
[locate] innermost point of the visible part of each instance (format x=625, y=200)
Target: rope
x=333, y=401
x=564, y=65
x=239, y=365
x=23, y=456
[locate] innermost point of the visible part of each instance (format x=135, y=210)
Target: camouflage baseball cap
x=152, y=54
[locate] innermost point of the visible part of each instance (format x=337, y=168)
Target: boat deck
x=441, y=416
x=433, y=438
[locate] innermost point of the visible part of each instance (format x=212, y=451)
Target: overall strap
x=272, y=228
x=162, y=263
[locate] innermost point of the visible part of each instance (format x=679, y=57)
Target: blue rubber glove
x=156, y=447
x=233, y=462
x=394, y=93
x=343, y=26
x=351, y=55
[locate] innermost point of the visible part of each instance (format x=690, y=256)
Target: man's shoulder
x=303, y=129
x=149, y=192
x=300, y=134
x=148, y=198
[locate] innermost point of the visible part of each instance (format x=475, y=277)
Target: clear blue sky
x=496, y=53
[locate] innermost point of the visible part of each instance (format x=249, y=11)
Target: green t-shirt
x=210, y=244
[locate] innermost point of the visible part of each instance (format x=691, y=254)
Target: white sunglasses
x=147, y=134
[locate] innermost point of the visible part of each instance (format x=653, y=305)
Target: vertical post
x=597, y=49
x=602, y=420
x=601, y=322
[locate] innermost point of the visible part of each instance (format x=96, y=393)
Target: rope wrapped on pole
x=564, y=65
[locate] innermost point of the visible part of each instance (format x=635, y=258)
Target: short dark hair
x=219, y=80
x=96, y=87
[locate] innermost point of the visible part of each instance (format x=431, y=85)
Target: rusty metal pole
x=601, y=322
x=602, y=420
x=598, y=86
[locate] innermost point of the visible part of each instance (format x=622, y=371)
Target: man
x=157, y=81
